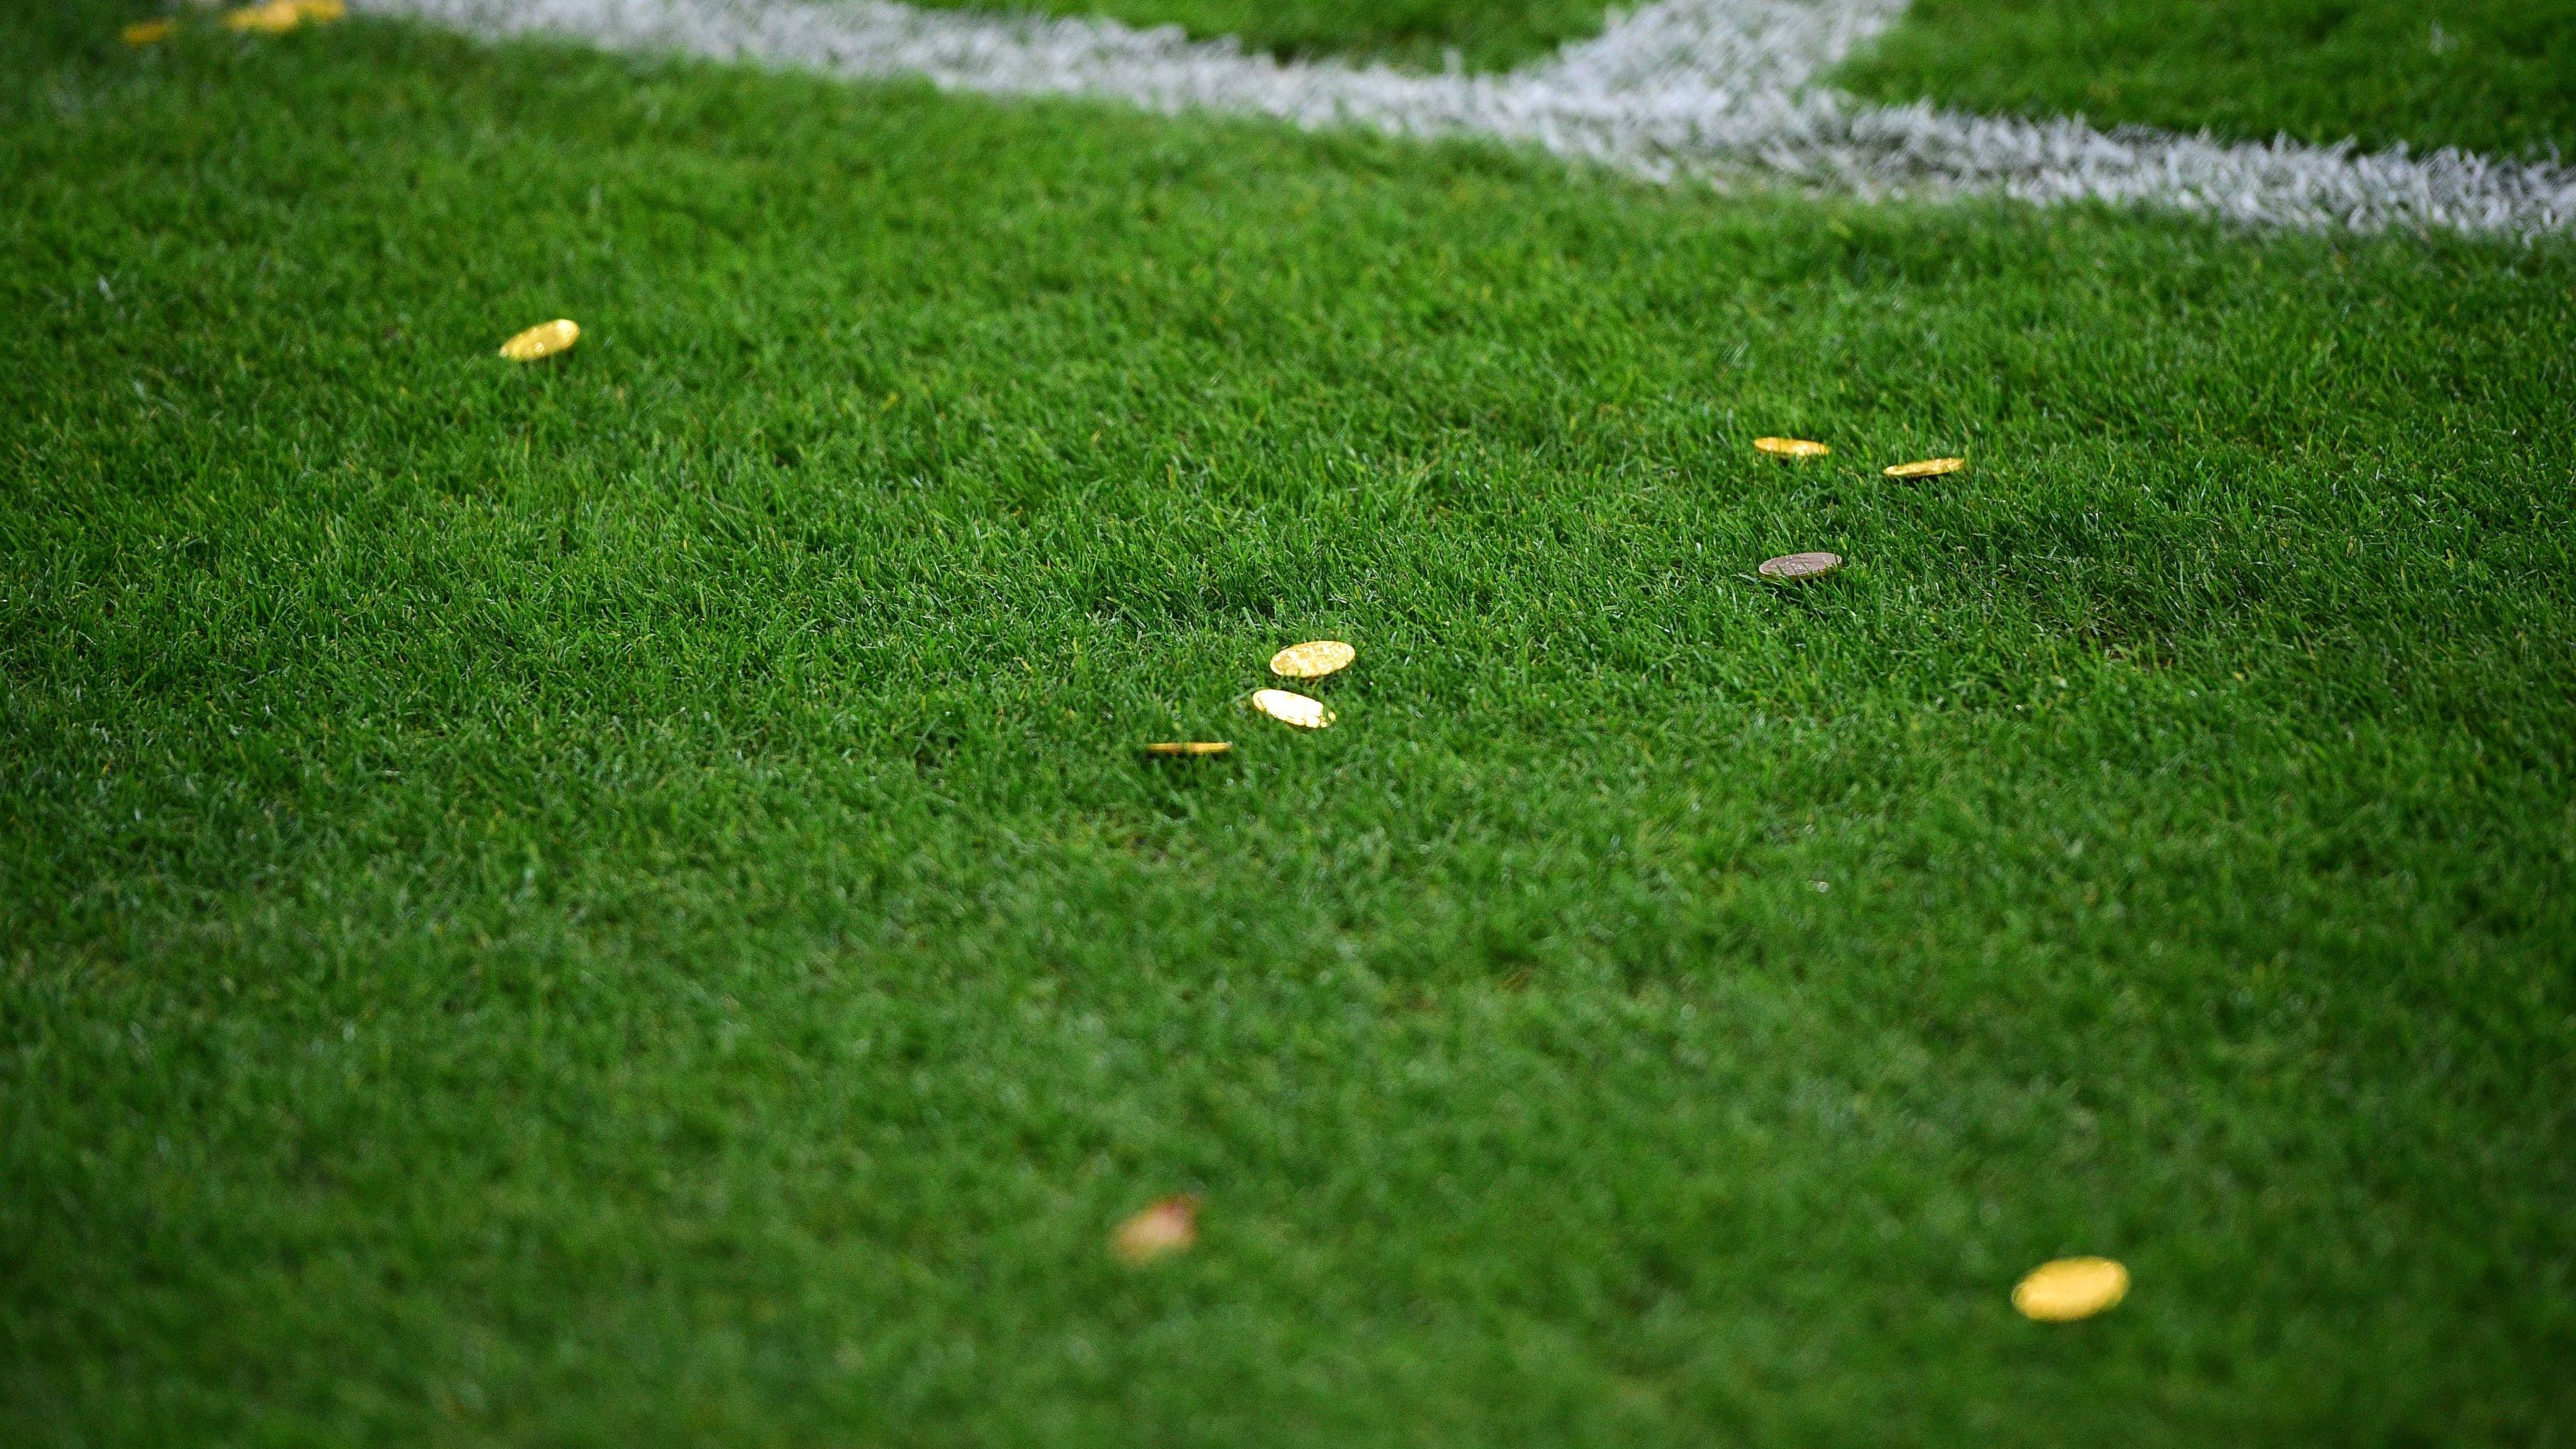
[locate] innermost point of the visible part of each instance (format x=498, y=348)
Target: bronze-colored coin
x=543, y=340
x=1189, y=747
x=147, y=32
x=1791, y=447
x=1928, y=468
x=1292, y=709
x=2071, y=1288
x=1794, y=566
x=275, y=18
x=1313, y=659
x=1167, y=1227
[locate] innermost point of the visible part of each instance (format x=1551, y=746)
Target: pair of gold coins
x=1314, y=659
x=274, y=18
x=1809, y=448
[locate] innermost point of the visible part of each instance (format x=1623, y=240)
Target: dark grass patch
x=1478, y=34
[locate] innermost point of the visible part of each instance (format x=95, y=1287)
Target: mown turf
x=2492, y=76
x=1476, y=34
x=616, y=902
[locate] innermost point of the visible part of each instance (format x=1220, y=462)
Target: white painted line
x=1682, y=89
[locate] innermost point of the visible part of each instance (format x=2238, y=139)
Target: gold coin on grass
x=1292, y=709
x=1791, y=447
x=275, y=18
x=543, y=340
x=2071, y=1288
x=1313, y=659
x=1794, y=566
x=1928, y=468
x=147, y=32
x=1189, y=747
x=1167, y=1227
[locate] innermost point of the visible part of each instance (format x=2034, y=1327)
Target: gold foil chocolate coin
x=1189, y=747
x=1313, y=659
x=1292, y=709
x=2071, y=1288
x=1793, y=566
x=1928, y=468
x=543, y=340
x=1790, y=447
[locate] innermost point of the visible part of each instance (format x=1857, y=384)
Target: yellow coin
x=1188, y=747
x=145, y=32
x=1292, y=709
x=1928, y=468
x=543, y=340
x=2071, y=1288
x=275, y=18
x=1791, y=447
x=1313, y=659
x=1795, y=566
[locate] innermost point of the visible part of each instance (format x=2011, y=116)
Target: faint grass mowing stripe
x=1681, y=90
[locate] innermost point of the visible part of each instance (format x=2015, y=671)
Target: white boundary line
x=1682, y=89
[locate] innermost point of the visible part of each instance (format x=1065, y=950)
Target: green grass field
x=2494, y=76
x=617, y=901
